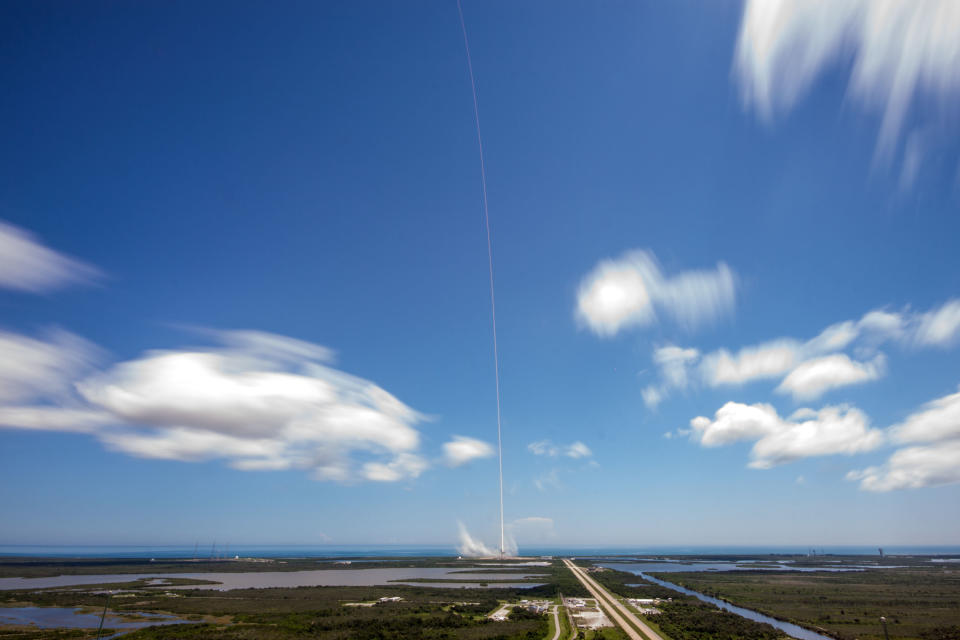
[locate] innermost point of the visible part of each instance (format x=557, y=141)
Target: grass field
x=918, y=603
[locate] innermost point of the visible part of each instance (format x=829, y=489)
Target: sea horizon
x=208, y=551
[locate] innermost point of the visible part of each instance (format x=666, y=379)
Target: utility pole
x=103, y=615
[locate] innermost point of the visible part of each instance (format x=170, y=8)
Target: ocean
x=380, y=551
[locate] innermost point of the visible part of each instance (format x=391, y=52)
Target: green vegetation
x=918, y=602
x=695, y=620
x=314, y=612
x=30, y=633
x=558, y=579
x=684, y=617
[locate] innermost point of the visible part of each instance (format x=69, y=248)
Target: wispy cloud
x=902, y=53
x=27, y=265
x=674, y=366
x=633, y=291
x=547, y=448
x=44, y=366
x=813, y=367
x=939, y=327
x=547, y=481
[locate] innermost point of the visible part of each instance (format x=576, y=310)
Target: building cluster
x=390, y=599
x=646, y=606
x=536, y=606
x=587, y=615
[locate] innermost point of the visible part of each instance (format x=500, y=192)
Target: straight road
x=613, y=606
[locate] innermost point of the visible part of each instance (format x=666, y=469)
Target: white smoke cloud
x=474, y=548
x=27, y=265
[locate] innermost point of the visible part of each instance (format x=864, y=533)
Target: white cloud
x=938, y=420
x=403, y=466
x=734, y=422
x=179, y=443
x=901, y=52
x=834, y=338
x=632, y=290
x=768, y=360
x=546, y=448
x=261, y=402
x=54, y=419
x=674, y=363
x=776, y=357
x=550, y=480
x=578, y=450
x=940, y=327
x=42, y=367
x=835, y=430
x=884, y=324
x=913, y=468
x=936, y=328
x=462, y=450
x=542, y=448
x=27, y=265
x=652, y=396
x=812, y=378
x=832, y=430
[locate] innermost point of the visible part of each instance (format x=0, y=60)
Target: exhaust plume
x=473, y=548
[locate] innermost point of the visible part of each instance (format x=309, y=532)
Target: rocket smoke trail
x=493, y=304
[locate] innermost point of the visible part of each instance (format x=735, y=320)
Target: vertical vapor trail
x=493, y=303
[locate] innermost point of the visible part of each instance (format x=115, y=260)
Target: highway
x=614, y=608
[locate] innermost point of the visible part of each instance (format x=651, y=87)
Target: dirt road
x=556, y=622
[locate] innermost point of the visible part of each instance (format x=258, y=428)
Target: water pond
x=73, y=618
x=663, y=565
x=267, y=579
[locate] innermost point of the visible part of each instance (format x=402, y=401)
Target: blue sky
x=243, y=273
